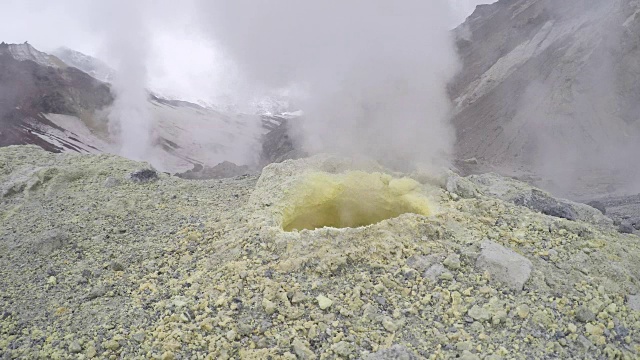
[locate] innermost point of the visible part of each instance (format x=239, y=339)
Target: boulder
x=504, y=265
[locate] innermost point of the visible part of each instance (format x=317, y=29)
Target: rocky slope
x=551, y=87
x=145, y=265
x=45, y=102
x=92, y=66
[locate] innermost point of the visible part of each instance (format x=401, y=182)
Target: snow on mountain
x=63, y=109
x=25, y=51
x=89, y=64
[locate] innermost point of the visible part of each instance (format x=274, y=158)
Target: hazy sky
x=181, y=62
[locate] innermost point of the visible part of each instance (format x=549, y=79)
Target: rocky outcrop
x=550, y=86
x=278, y=144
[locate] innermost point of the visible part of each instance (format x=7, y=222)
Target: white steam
x=127, y=43
x=373, y=73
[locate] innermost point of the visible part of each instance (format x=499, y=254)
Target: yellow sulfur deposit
x=352, y=199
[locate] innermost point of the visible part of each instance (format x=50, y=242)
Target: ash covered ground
x=146, y=265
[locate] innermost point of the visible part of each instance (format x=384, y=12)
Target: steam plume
x=128, y=45
x=373, y=73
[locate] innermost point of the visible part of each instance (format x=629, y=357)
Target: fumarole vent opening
x=350, y=200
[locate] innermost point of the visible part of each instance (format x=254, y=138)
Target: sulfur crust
x=351, y=199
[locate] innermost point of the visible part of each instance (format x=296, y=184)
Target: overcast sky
x=182, y=63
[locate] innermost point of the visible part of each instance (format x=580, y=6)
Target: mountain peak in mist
x=89, y=64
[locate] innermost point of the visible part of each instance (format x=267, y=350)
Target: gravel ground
x=96, y=265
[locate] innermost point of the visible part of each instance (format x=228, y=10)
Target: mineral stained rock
x=177, y=268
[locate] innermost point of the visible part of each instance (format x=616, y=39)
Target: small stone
x=467, y=355
x=245, y=328
x=585, y=342
x=97, y=292
x=269, y=306
x=342, y=348
x=422, y=263
x=298, y=297
x=324, y=302
x=75, y=347
x=625, y=228
x=112, y=345
x=300, y=349
x=231, y=335
x=583, y=314
x=479, y=314
x=594, y=329
x=52, y=280
x=499, y=317
x=452, y=262
x=389, y=325
x=523, y=311
x=139, y=337
x=116, y=266
x=504, y=265
x=313, y=332
x=633, y=302
x=144, y=176
x=91, y=352
x=572, y=328
x=111, y=182
x=434, y=272
x=446, y=276
x=167, y=355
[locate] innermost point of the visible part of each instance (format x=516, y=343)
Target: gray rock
x=396, y=352
x=116, y=266
x=111, y=182
x=598, y=205
x=504, y=265
x=523, y=194
x=97, y=292
x=633, y=302
x=460, y=186
x=479, y=314
x=625, y=228
x=139, y=337
x=583, y=314
x=452, y=262
x=75, y=347
x=434, y=272
x=586, y=344
x=51, y=241
x=540, y=201
x=422, y=263
x=144, y=176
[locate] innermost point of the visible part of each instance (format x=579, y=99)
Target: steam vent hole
x=353, y=199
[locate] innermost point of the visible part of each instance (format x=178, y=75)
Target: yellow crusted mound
x=352, y=199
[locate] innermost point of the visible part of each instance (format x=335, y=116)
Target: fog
x=127, y=41
x=370, y=76
x=583, y=119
